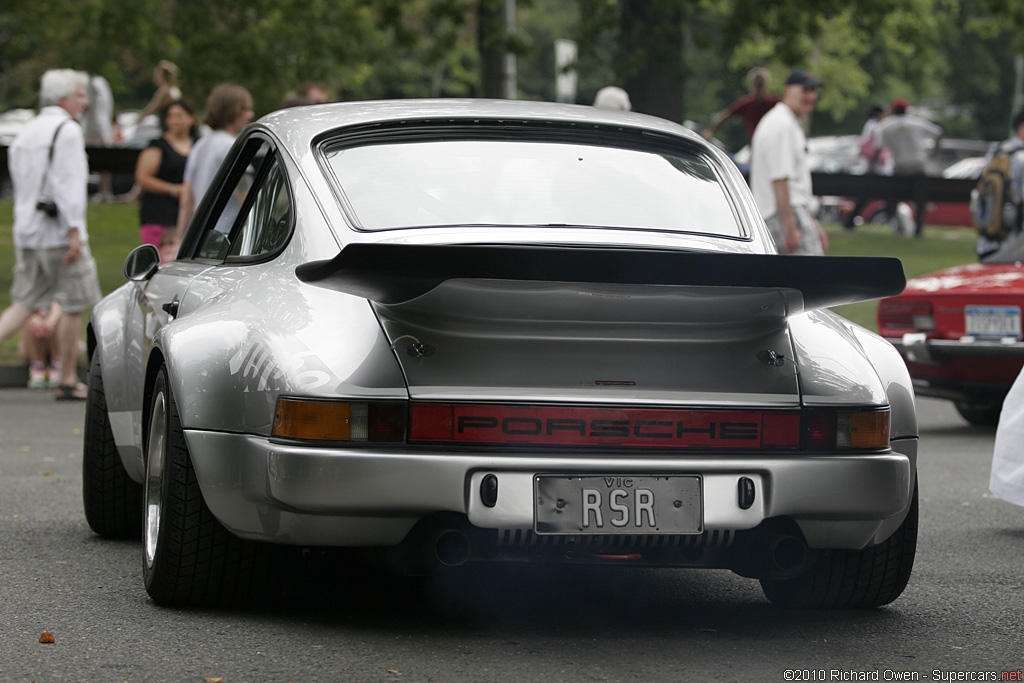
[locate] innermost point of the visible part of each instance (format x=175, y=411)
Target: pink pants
x=160, y=236
x=151, y=233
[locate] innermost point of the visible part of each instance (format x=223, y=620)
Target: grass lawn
x=113, y=232
x=939, y=247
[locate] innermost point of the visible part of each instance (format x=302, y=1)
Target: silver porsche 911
x=448, y=332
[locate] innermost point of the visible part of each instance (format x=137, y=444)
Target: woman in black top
x=159, y=172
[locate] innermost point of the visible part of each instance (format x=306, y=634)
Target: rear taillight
x=906, y=316
x=311, y=420
x=482, y=425
x=833, y=429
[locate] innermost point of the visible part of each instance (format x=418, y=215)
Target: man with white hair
x=49, y=170
x=613, y=97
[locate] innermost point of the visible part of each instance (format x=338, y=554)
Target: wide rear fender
x=892, y=371
x=227, y=371
x=841, y=362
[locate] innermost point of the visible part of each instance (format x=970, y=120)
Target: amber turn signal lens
x=311, y=420
x=869, y=429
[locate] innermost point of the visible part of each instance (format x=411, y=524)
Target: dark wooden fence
x=917, y=189
x=113, y=159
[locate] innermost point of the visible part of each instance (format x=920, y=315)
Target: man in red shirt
x=749, y=107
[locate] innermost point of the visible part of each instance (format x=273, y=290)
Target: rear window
x=429, y=183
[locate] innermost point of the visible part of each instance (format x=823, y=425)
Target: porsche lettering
x=640, y=429
x=628, y=427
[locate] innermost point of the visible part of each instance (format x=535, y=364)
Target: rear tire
x=853, y=579
x=112, y=500
x=191, y=558
x=979, y=413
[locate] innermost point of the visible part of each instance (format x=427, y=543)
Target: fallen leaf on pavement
x=47, y=637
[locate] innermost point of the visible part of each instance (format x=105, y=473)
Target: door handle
x=171, y=308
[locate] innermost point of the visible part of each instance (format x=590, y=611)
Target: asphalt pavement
x=958, y=620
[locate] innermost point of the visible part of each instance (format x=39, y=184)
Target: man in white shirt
x=779, y=175
x=907, y=136
x=99, y=127
x=49, y=170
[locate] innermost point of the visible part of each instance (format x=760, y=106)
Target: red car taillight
x=908, y=316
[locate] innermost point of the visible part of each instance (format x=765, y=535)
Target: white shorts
x=810, y=240
x=41, y=277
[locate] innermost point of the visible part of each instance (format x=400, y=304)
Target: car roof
x=299, y=126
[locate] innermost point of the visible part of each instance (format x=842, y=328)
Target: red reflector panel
x=821, y=429
x=386, y=422
x=430, y=422
x=582, y=426
x=781, y=430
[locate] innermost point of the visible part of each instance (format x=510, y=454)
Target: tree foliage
x=683, y=59
x=115, y=38
x=952, y=58
x=270, y=48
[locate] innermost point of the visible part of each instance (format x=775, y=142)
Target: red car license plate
x=617, y=504
x=992, y=321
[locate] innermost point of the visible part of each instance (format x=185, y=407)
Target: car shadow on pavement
x=563, y=600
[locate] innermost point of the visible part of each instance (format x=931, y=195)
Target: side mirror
x=142, y=263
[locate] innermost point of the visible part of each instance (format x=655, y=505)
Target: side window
x=252, y=214
x=268, y=214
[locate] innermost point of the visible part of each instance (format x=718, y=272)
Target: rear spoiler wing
x=395, y=273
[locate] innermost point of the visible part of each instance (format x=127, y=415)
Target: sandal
x=72, y=392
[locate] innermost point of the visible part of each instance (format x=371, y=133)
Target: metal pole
x=565, y=71
x=511, y=86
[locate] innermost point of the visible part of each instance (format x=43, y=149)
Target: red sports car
x=959, y=330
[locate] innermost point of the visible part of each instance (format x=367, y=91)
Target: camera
x=48, y=207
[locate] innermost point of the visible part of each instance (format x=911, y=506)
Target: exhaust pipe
x=452, y=547
x=431, y=544
x=787, y=555
x=775, y=552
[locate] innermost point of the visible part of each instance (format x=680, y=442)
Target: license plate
x=616, y=504
x=992, y=321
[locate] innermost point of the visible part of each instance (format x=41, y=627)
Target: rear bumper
x=917, y=348
x=960, y=369
x=350, y=497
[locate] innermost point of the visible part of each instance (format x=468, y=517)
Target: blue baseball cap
x=803, y=77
